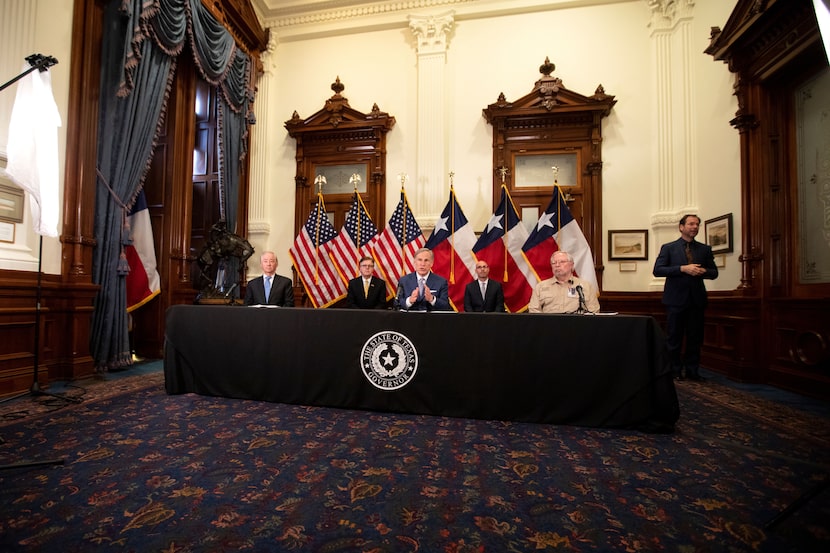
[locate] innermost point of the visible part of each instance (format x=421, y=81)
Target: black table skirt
x=598, y=371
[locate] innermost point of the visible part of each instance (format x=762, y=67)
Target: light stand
x=41, y=63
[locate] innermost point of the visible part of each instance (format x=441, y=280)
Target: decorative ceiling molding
x=302, y=19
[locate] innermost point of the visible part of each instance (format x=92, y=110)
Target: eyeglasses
x=482, y=266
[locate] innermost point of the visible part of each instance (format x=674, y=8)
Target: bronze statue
x=225, y=253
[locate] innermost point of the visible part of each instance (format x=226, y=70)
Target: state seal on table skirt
x=389, y=360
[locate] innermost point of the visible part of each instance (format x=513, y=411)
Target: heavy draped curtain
x=142, y=41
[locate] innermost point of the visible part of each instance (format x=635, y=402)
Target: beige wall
x=33, y=27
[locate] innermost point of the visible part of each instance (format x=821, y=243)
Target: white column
x=431, y=33
x=675, y=158
x=675, y=165
x=259, y=227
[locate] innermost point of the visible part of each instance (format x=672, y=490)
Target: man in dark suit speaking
x=270, y=288
x=483, y=294
x=685, y=263
x=423, y=290
x=366, y=291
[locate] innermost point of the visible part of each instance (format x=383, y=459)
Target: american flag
x=397, y=244
x=452, y=242
x=356, y=239
x=500, y=245
x=310, y=255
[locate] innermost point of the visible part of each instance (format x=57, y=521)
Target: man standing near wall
x=685, y=263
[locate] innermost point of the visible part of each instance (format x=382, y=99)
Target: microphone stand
x=41, y=63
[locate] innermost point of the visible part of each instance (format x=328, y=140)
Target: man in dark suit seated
x=366, y=291
x=483, y=294
x=685, y=263
x=270, y=288
x=423, y=290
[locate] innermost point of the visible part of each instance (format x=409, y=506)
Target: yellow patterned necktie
x=365, y=289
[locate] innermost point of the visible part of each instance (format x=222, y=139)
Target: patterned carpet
x=144, y=471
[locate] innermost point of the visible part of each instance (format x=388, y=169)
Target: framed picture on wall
x=718, y=233
x=11, y=204
x=627, y=244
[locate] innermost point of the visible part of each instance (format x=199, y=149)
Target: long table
x=597, y=371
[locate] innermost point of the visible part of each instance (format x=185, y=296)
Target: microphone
x=396, y=303
x=231, y=289
x=581, y=294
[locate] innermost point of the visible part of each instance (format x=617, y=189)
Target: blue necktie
x=267, y=287
x=421, y=287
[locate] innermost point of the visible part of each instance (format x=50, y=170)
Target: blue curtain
x=140, y=46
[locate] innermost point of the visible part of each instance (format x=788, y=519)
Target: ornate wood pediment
x=763, y=36
x=338, y=114
x=548, y=100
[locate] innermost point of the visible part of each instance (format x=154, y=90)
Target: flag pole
x=354, y=180
x=503, y=173
x=403, y=177
x=452, y=229
x=319, y=181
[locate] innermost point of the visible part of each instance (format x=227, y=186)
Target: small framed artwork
x=720, y=260
x=7, y=232
x=718, y=232
x=627, y=244
x=11, y=204
x=628, y=266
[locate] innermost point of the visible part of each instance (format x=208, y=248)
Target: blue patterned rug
x=144, y=471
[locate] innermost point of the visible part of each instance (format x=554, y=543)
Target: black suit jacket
x=493, y=297
x=282, y=293
x=681, y=289
x=356, y=299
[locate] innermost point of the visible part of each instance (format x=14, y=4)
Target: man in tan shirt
x=560, y=294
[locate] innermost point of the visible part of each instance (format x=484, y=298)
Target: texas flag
x=143, y=282
x=452, y=242
x=500, y=245
x=558, y=230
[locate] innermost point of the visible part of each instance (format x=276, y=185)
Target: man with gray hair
x=423, y=290
x=564, y=292
x=270, y=288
